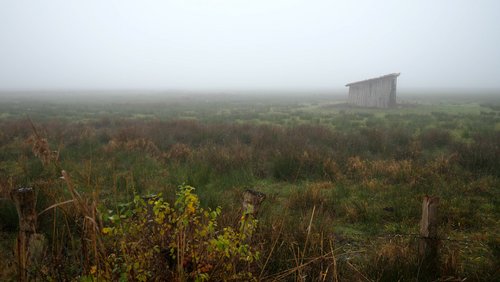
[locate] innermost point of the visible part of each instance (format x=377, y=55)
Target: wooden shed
x=379, y=92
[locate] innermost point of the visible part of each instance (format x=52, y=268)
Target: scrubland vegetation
x=344, y=188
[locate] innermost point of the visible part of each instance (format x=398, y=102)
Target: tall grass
x=342, y=197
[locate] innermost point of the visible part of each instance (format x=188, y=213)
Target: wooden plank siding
x=377, y=92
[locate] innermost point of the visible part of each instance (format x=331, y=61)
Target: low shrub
x=179, y=242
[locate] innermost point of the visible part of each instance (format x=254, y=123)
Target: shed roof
x=370, y=79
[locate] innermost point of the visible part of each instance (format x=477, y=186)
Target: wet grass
x=362, y=171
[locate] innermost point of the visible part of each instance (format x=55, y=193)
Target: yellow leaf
x=107, y=230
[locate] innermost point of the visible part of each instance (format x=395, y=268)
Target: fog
x=247, y=45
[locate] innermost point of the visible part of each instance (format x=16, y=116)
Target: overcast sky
x=247, y=44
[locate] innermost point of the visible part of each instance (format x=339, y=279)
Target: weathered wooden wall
x=379, y=93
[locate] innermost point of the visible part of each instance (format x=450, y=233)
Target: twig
x=56, y=205
x=308, y=233
x=272, y=250
x=287, y=272
x=359, y=272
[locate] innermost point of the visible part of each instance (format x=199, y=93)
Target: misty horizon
x=248, y=46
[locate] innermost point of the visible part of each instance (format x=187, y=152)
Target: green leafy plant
x=151, y=238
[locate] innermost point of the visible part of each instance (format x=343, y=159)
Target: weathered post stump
x=30, y=245
x=252, y=201
x=428, y=245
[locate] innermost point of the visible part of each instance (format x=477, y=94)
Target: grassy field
x=343, y=185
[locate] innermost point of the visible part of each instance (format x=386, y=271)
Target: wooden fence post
x=25, y=201
x=30, y=245
x=428, y=245
x=251, y=202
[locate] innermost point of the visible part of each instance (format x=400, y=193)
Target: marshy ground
x=343, y=185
